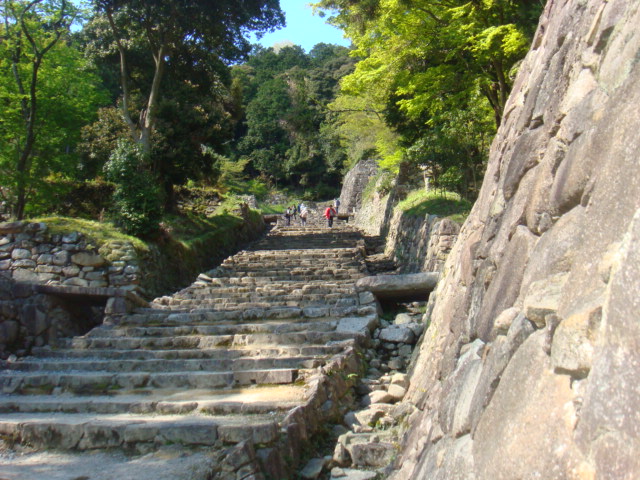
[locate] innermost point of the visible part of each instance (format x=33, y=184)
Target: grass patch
x=190, y=228
x=268, y=209
x=99, y=233
x=445, y=204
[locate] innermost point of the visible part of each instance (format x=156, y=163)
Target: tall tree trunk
x=148, y=116
x=124, y=81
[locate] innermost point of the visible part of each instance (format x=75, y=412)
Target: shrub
x=137, y=205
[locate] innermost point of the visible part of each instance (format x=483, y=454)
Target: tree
x=436, y=72
x=42, y=109
x=286, y=137
x=174, y=28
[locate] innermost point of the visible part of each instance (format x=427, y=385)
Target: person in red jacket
x=329, y=213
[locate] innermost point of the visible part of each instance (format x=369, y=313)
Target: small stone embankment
x=234, y=376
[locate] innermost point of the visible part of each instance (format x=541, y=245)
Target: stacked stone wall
x=530, y=367
x=29, y=254
x=420, y=244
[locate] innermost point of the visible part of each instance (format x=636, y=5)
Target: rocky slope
x=530, y=368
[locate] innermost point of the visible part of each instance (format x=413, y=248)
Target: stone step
x=206, y=279
x=266, y=302
x=204, y=341
x=315, y=325
x=261, y=257
x=167, y=314
x=165, y=318
x=223, y=360
x=217, y=353
x=270, y=289
x=128, y=431
x=276, y=276
x=104, y=382
x=300, y=298
x=252, y=400
x=161, y=365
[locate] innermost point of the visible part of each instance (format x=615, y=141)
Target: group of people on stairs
x=291, y=212
x=303, y=212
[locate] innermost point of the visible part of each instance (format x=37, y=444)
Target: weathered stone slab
x=11, y=227
x=352, y=474
x=185, y=433
x=264, y=433
x=87, y=259
x=572, y=347
x=527, y=427
x=458, y=391
x=610, y=419
x=413, y=286
x=543, y=298
x=397, y=334
x=357, y=324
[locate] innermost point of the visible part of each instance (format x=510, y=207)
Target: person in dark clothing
x=287, y=216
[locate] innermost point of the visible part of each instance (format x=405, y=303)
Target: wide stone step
x=313, y=257
x=204, y=341
x=276, y=276
x=129, y=431
x=105, y=382
x=266, y=302
x=254, y=282
x=216, y=353
x=264, y=290
x=177, y=316
x=217, y=291
x=275, y=299
x=252, y=400
x=324, y=325
x=161, y=365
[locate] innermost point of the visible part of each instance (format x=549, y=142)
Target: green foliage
x=289, y=139
x=170, y=35
x=421, y=202
x=48, y=91
x=136, y=201
x=432, y=80
x=89, y=199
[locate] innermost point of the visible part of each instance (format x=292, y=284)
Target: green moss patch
x=99, y=233
x=443, y=204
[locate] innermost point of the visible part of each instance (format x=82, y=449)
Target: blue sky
x=303, y=28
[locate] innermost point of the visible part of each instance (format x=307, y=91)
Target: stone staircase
x=259, y=351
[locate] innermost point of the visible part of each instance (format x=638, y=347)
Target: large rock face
x=354, y=185
x=531, y=366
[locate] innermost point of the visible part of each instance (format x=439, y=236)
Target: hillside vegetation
x=111, y=112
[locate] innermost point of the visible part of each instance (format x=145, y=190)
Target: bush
x=137, y=205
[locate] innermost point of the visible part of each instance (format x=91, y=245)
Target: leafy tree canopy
x=287, y=136
x=48, y=91
x=438, y=72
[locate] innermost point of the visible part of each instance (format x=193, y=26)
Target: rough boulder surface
x=531, y=365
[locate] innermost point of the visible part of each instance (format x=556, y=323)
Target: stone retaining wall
x=30, y=319
x=29, y=254
x=420, y=244
x=530, y=366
